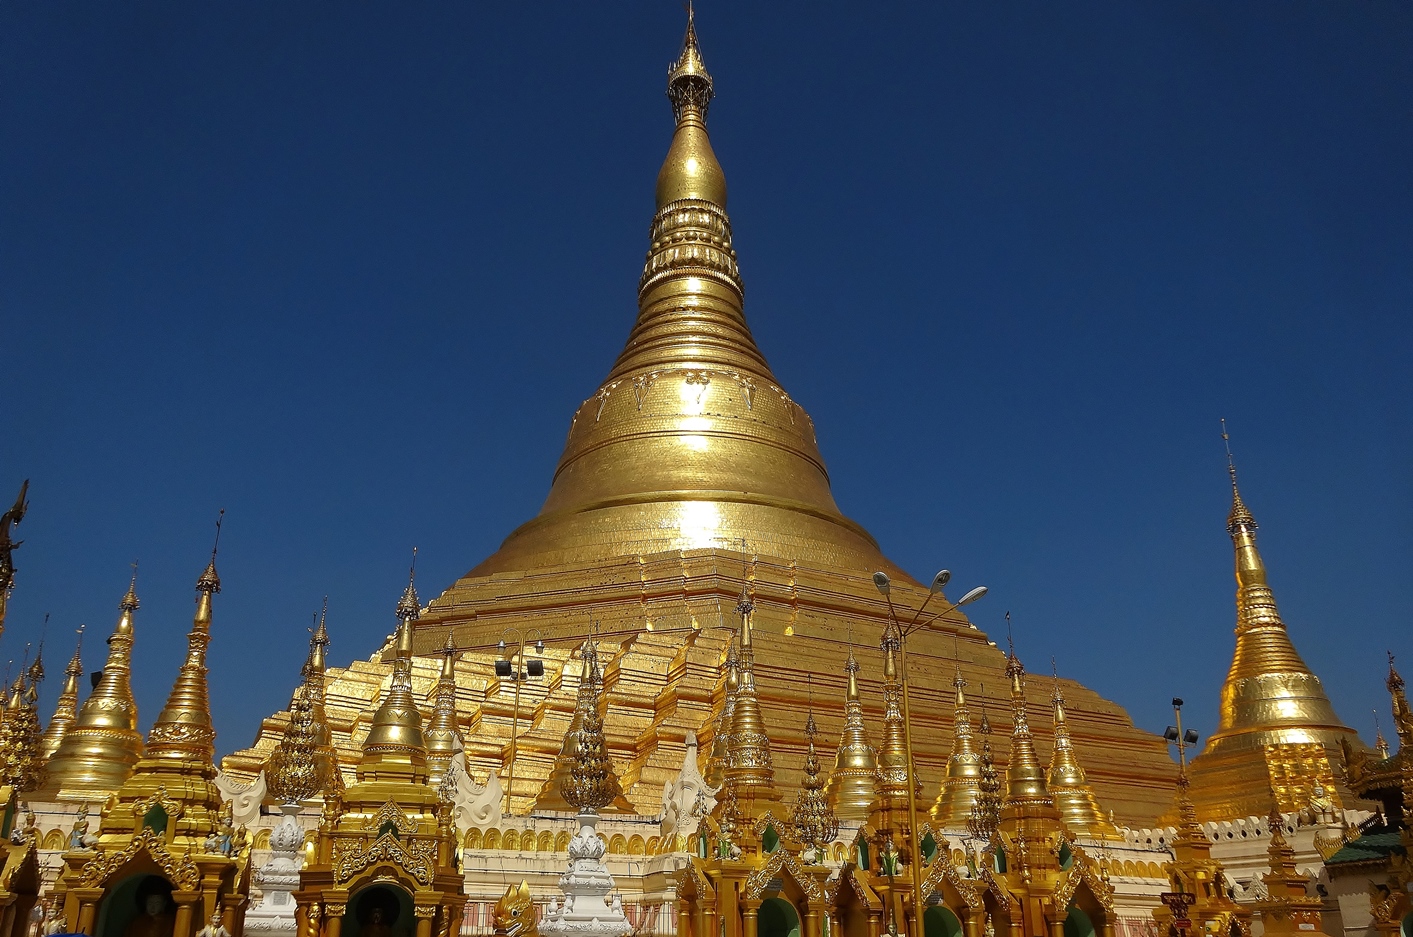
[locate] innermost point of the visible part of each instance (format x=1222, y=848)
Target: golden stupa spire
x=100, y=750
x=395, y=748
x=1402, y=715
x=748, y=772
x=1073, y=797
x=962, y=782
x=66, y=707
x=443, y=733
x=183, y=728
x=813, y=820
x=1025, y=778
x=302, y=764
x=721, y=731
x=1271, y=701
x=22, y=767
x=852, y=790
x=590, y=784
x=892, y=810
x=729, y=453
x=588, y=698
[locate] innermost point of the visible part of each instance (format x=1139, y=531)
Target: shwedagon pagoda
x=725, y=713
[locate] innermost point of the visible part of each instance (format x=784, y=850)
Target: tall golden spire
x=1402, y=715
x=748, y=772
x=588, y=698
x=590, y=784
x=443, y=732
x=183, y=730
x=22, y=768
x=101, y=749
x=66, y=707
x=395, y=748
x=690, y=442
x=1025, y=778
x=1274, y=711
x=892, y=811
x=1068, y=786
x=852, y=790
x=303, y=762
x=721, y=732
x=986, y=808
x=962, y=783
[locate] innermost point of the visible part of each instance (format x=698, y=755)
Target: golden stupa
x=1278, y=736
x=690, y=476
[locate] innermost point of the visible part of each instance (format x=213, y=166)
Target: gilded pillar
x=750, y=911
x=812, y=921
x=185, y=912
x=333, y=919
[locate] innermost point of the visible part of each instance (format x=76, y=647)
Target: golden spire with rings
x=443, y=733
x=962, y=782
x=100, y=750
x=66, y=707
x=748, y=772
x=183, y=728
x=395, y=748
x=813, y=820
x=591, y=783
x=852, y=790
x=1068, y=786
x=721, y=731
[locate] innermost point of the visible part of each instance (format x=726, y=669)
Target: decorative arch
x=262, y=839
x=941, y=921
x=653, y=844
x=618, y=845
x=637, y=846
x=510, y=840
x=545, y=841
x=778, y=917
x=561, y=841
x=491, y=840
x=54, y=839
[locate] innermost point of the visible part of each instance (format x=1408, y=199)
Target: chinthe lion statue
x=514, y=914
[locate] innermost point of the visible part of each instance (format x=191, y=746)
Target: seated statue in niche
x=376, y=925
x=156, y=919
x=214, y=928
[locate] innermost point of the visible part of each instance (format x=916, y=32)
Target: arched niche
x=777, y=917
x=939, y=921
x=127, y=909
x=1078, y=923
x=380, y=910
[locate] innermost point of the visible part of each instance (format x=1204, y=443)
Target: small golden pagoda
x=1198, y=882
x=1067, y=784
x=721, y=727
x=1278, y=736
x=166, y=847
x=66, y=706
x=1287, y=908
x=21, y=741
x=813, y=822
x=890, y=817
x=385, y=853
x=98, y=753
x=852, y=789
x=1043, y=879
x=443, y=734
x=748, y=773
x=962, y=782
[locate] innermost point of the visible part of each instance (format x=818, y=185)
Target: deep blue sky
x=346, y=271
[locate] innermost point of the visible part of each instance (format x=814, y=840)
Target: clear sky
x=347, y=270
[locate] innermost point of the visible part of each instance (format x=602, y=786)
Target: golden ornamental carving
x=941, y=870
x=173, y=809
x=417, y=858
x=182, y=873
x=758, y=882
x=335, y=909
x=425, y=910
x=391, y=813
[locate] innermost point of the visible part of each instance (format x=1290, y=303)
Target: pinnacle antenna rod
x=220, y=516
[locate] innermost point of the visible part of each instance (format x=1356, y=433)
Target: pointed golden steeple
x=395, y=748
x=748, y=772
x=892, y=811
x=443, y=732
x=22, y=768
x=183, y=730
x=1068, y=786
x=587, y=698
x=721, y=732
x=1025, y=778
x=103, y=746
x=303, y=762
x=813, y=820
x=66, y=707
x=1278, y=735
x=1402, y=715
x=960, y=787
x=690, y=442
x=852, y=790
x=986, y=808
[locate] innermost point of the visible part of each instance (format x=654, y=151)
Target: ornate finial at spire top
x=209, y=582
x=1395, y=682
x=688, y=83
x=409, y=606
x=1240, y=515
x=75, y=666
x=129, y=602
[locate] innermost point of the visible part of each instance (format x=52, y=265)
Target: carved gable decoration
x=778, y=863
x=101, y=868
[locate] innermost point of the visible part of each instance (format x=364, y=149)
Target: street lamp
x=1183, y=739
x=518, y=669
x=884, y=585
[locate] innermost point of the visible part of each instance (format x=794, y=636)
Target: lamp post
x=1183, y=739
x=884, y=585
x=519, y=670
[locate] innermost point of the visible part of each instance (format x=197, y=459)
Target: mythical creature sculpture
x=473, y=804
x=8, y=521
x=244, y=799
x=514, y=914
x=686, y=799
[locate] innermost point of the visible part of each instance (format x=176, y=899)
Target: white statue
x=278, y=877
x=587, y=911
x=686, y=800
x=245, y=799
x=474, y=805
x=54, y=922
